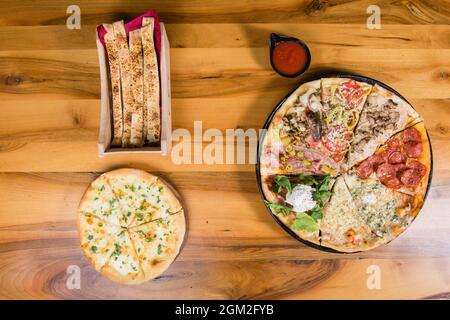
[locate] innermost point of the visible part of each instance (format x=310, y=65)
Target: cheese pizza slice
x=100, y=200
x=157, y=243
x=384, y=115
x=385, y=211
x=96, y=238
x=123, y=265
x=342, y=228
x=142, y=196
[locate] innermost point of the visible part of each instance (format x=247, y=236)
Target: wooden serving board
x=50, y=108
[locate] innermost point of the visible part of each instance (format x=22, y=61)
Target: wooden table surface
x=49, y=111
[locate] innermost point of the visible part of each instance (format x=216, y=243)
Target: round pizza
x=131, y=225
x=345, y=164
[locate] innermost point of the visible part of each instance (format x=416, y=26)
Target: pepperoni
x=365, y=169
x=387, y=175
x=394, y=144
x=419, y=167
x=385, y=172
x=376, y=160
x=393, y=183
x=410, y=178
x=411, y=134
x=413, y=149
x=399, y=168
x=396, y=157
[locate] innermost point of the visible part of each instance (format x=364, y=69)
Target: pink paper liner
x=134, y=24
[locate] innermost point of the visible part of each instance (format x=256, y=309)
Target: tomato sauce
x=289, y=57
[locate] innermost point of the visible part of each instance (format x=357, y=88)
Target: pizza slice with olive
x=157, y=243
x=403, y=163
x=292, y=143
x=298, y=202
x=342, y=103
x=384, y=115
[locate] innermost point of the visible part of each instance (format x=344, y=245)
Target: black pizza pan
x=269, y=121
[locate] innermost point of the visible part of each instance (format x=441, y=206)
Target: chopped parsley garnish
x=160, y=250
x=94, y=249
x=90, y=237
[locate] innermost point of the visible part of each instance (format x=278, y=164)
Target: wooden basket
x=105, y=130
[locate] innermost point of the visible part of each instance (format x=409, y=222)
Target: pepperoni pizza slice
x=384, y=115
x=403, y=163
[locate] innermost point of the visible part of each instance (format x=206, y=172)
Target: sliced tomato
x=352, y=93
x=336, y=139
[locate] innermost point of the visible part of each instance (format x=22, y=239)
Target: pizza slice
x=384, y=210
x=157, y=243
x=96, y=238
x=342, y=100
x=159, y=202
x=403, y=163
x=292, y=143
x=298, y=201
x=100, y=200
x=141, y=196
x=384, y=115
x=341, y=226
x=123, y=265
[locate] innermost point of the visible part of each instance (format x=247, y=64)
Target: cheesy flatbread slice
x=137, y=77
x=152, y=113
x=126, y=81
x=96, y=238
x=158, y=243
x=123, y=265
x=114, y=71
x=100, y=201
x=384, y=115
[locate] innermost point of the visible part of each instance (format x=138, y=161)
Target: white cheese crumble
x=369, y=199
x=301, y=198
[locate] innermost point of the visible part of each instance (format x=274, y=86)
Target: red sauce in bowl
x=289, y=57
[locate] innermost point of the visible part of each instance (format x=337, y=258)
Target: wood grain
x=232, y=11
x=49, y=106
x=246, y=250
